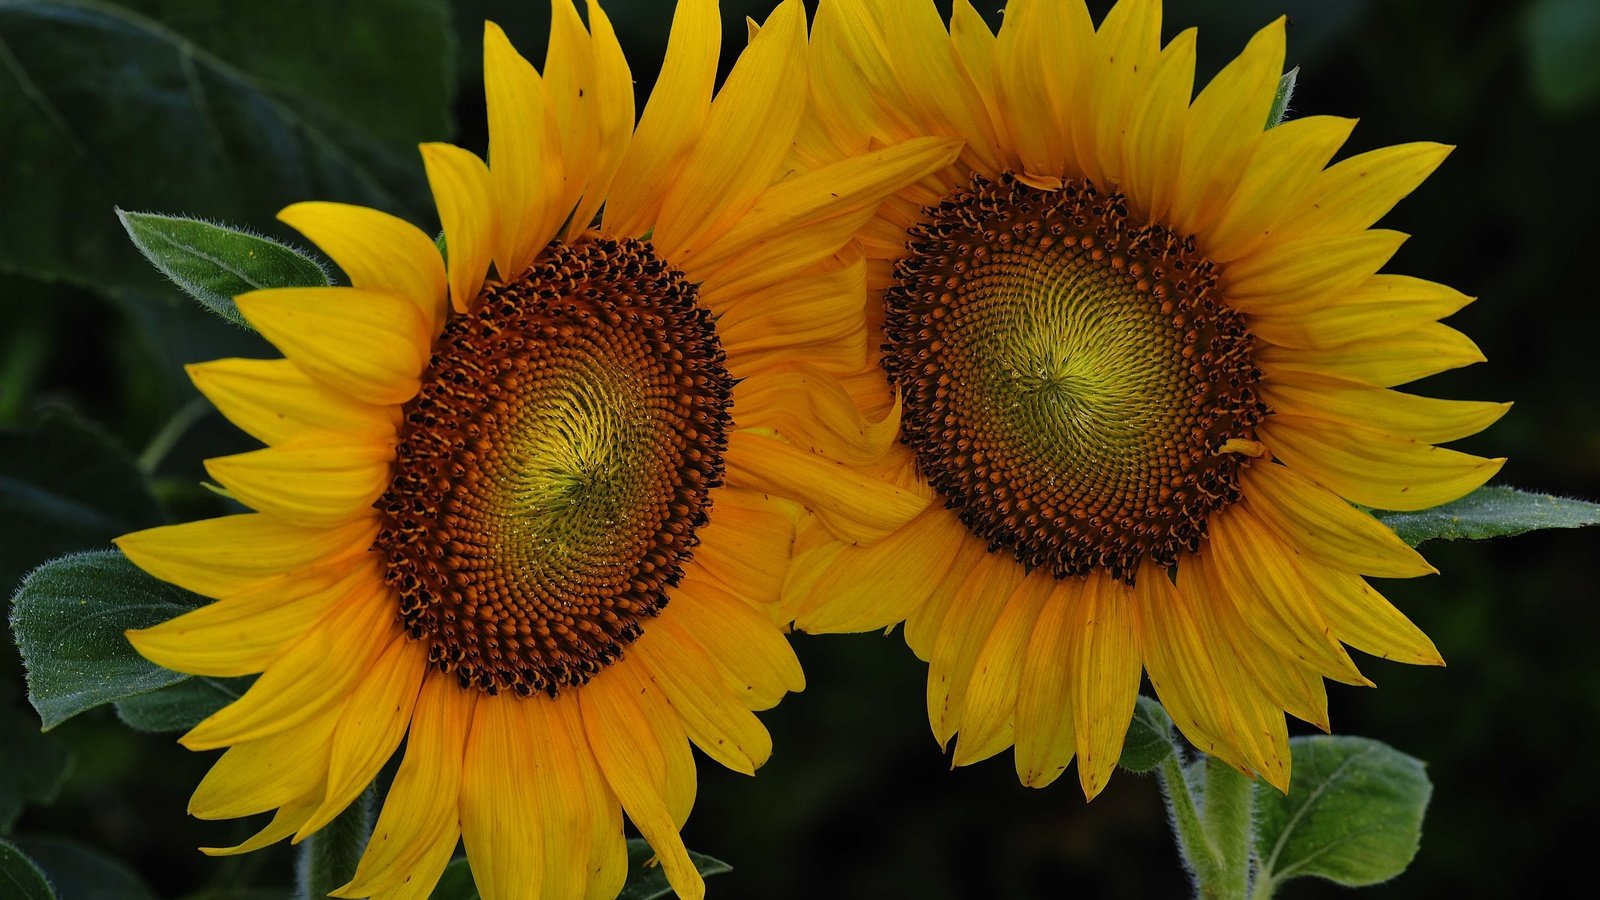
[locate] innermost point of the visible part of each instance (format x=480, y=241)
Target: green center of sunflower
x=552, y=470
x=1072, y=380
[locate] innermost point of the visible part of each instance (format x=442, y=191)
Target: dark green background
x=232, y=110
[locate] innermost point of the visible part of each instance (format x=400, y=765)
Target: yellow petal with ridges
x=770, y=264
x=315, y=483
x=757, y=662
x=271, y=772
x=222, y=556
x=369, y=345
x=370, y=730
x=716, y=720
x=661, y=725
x=1152, y=149
x=1362, y=618
x=747, y=135
x=813, y=409
x=569, y=91
x=275, y=401
x=420, y=812
x=569, y=792
x=1372, y=468
x=1222, y=128
x=315, y=673
x=937, y=89
x=1045, y=742
x=1307, y=273
x=974, y=45
x=1103, y=666
x=968, y=623
x=1176, y=641
x=1122, y=59
x=1287, y=160
x=1316, y=523
x=746, y=544
x=989, y=704
x=1403, y=415
x=500, y=822
x=1381, y=305
x=284, y=823
x=874, y=586
x=379, y=252
x=1384, y=361
x=673, y=120
x=613, y=112
x=924, y=622
x=526, y=170
x=856, y=507
x=464, y=194
x=244, y=632
x=633, y=767
x=1355, y=193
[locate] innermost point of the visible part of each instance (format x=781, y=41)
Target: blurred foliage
x=230, y=110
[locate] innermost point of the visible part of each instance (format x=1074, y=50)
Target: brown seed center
x=1070, y=378
x=553, y=468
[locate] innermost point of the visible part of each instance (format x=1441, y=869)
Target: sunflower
x=1139, y=356
x=504, y=517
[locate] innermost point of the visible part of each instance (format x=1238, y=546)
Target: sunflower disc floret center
x=1070, y=377
x=553, y=469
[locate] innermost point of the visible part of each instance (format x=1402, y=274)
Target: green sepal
x=1281, y=99
x=215, y=263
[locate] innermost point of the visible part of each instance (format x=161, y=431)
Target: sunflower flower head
x=1139, y=354
x=504, y=513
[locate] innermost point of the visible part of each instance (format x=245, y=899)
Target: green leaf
x=456, y=883
x=32, y=765
x=79, y=872
x=1491, y=512
x=65, y=485
x=1280, y=100
x=1563, y=40
x=648, y=881
x=1353, y=814
x=215, y=263
x=181, y=706
x=20, y=878
x=69, y=617
x=1149, y=739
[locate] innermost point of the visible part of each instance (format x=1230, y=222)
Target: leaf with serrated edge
x=215, y=263
x=69, y=616
x=1353, y=814
x=1149, y=739
x=1491, y=512
x=648, y=881
x=20, y=877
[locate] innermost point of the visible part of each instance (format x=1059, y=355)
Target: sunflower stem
x=1209, y=805
x=328, y=858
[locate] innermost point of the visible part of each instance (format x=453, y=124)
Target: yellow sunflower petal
x=753, y=655
x=244, y=632
x=1381, y=305
x=821, y=310
x=526, y=170
x=420, y=812
x=570, y=792
x=1285, y=164
x=1222, y=128
x=673, y=120
x=989, y=704
x=924, y=622
x=769, y=264
x=570, y=92
x=379, y=252
x=746, y=543
x=1325, y=528
x=1384, y=361
x=856, y=507
x=1103, y=666
x=1178, y=648
x=936, y=86
x=1152, y=149
x=747, y=135
x=1045, y=741
x=284, y=823
x=500, y=780
x=369, y=345
x=633, y=767
x=314, y=674
x=318, y=484
x=718, y=723
x=650, y=716
x=374, y=721
x=1039, y=53
x=1372, y=468
x=464, y=194
x=218, y=557
x=270, y=772
x=975, y=47
x=1362, y=618
x=613, y=112
x=873, y=586
x=1403, y=415
x=1122, y=58
x=1354, y=193
x=1308, y=271
x=274, y=401
x=968, y=623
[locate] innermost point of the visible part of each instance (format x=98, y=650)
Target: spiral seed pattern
x=1071, y=379
x=553, y=468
